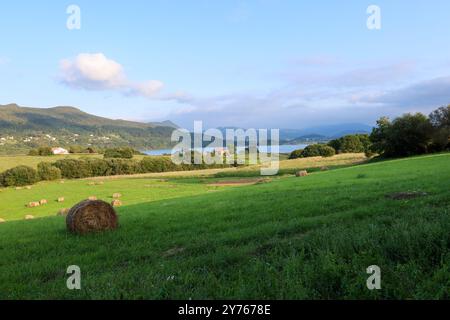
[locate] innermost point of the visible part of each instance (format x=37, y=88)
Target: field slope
x=310, y=237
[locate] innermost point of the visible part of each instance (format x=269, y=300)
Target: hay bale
x=117, y=195
x=63, y=212
x=61, y=199
x=33, y=204
x=91, y=216
x=42, y=202
x=100, y=183
x=116, y=203
x=92, y=198
x=91, y=184
x=2, y=220
x=62, y=182
x=28, y=187
x=29, y=217
x=18, y=188
x=302, y=173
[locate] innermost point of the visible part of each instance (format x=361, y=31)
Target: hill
x=23, y=128
x=322, y=133
x=291, y=238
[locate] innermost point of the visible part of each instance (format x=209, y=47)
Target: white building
x=59, y=151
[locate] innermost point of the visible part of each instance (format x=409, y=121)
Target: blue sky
x=260, y=63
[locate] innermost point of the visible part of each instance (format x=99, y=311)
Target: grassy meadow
x=135, y=188
x=286, y=238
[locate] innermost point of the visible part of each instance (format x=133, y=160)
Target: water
x=285, y=148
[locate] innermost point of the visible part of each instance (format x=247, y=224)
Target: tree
x=352, y=143
x=440, y=120
x=407, y=135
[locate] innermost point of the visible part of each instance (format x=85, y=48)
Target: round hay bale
x=28, y=187
x=116, y=203
x=63, y=212
x=19, y=188
x=91, y=216
x=117, y=195
x=302, y=173
x=2, y=220
x=92, y=198
x=42, y=202
x=29, y=217
x=61, y=199
x=33, y=204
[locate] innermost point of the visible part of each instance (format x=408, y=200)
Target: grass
x=135, y=188
x=310, y=237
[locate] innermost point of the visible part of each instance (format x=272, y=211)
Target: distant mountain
x=324, y=132
x=23, y=127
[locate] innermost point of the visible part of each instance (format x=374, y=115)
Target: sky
x=248, y=63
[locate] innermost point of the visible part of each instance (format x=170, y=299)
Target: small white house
x=59, y=151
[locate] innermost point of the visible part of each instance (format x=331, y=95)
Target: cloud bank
x=94, y=71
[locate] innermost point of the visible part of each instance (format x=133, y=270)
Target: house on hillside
x=59, y=151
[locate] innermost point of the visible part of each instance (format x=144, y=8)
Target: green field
x=293, y=238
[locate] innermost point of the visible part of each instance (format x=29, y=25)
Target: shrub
x=157, y=164
x=123, y=153
x=19, y=176
x=45, y=151
x=73, y=168
x=296, y=154
x=318, y=150
x=327, y=151
x=98, y=167
x=46, y=171
x=123, y=166
x=33, y=152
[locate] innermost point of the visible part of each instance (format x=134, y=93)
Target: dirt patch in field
x=240, y=182
x=406, y=195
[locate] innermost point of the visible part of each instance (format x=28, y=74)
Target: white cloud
x=94, y=71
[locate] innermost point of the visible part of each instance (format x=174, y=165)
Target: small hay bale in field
x=302, y=173
x=92, y=198
x=18, y=188
x=33, y=204
x=117, y=195
x=43, y=201
x=29, y=217
x=116, y=203
x=2, y=220
x=28, y=187
x=61, y=199
x=63, y=212
x=62, y=181
x=91, y=184
x=100, y=183
x=91, y=216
